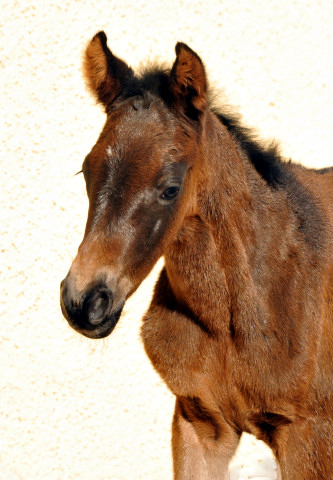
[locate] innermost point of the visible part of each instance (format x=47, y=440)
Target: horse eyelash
x=78, y=173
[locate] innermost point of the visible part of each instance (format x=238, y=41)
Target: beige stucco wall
x=71, y=408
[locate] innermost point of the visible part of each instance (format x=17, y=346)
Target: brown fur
x=241, y=323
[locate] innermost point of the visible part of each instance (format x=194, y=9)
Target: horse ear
x=188, y=81
x=105, y=74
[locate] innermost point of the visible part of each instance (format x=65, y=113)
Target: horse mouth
x=105, y=328
x=102, y=330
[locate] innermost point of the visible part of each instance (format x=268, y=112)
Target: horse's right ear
x=105, y=74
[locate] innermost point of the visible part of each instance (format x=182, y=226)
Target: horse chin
x=104, y=329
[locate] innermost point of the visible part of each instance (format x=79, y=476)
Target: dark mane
x=266, y=159
x=322, y=171
x=152, y=78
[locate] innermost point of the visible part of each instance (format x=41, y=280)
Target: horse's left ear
x=105, y=74
x=188, y=81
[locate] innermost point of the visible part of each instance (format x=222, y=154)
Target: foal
x=241, y=323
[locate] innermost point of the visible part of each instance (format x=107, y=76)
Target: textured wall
x=71, y=408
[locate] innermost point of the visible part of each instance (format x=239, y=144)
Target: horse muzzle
x=91, y=313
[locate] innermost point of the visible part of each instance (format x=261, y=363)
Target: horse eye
x=170, y=193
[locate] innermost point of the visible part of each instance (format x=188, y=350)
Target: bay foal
x=241, y=323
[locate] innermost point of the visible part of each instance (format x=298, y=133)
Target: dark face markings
x=133, y=184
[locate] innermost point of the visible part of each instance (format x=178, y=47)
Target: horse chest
x=178, y=341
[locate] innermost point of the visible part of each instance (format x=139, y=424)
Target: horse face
x=138, y=180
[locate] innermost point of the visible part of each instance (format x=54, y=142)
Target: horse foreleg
x=196, y=454
x=308, y=453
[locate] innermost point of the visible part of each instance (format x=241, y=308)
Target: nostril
x=96, y=306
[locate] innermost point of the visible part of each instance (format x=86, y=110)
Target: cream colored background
x=71, y=408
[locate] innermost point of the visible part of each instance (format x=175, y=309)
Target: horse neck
x=227, y=186
x=209, y=261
